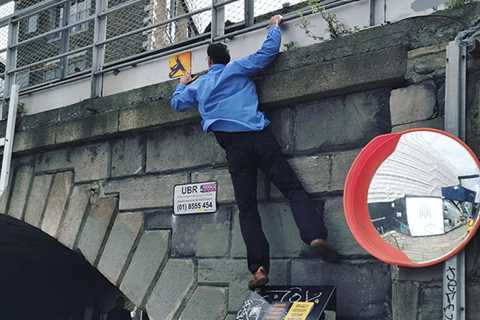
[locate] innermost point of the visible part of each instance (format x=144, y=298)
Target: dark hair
x=218, y=52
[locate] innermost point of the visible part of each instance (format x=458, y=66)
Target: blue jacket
x=226, y=98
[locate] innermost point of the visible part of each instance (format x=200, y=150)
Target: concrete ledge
x=148, y=107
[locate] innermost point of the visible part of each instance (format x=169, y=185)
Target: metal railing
x=46, y=43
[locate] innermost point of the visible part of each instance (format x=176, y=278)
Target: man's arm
x=184, y=96
x=259, y=60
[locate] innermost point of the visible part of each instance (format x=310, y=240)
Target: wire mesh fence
x=150, y=26
x=234, y=12
x=7, y=9
x=39, y=40
x=58, y=41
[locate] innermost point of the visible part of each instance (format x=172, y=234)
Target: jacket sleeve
x=259, y=60
x=184, y=97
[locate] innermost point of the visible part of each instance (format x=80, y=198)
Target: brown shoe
x=323, y=249
x=258, y=279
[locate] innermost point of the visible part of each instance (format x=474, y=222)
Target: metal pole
x=100, y=35
x=455, y=91
x=372, y=12
x=10, y=64
x=249, y=13
x=7, y=142
x=455, y=112
x=218, y=19
x=65, y=37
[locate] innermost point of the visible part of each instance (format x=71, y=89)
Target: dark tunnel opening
x=42, y=279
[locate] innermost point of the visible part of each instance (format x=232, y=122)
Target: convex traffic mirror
x=412, y=198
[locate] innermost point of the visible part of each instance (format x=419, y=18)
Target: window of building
x=79, y=10
x=32, y=24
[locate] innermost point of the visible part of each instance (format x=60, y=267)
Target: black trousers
x=247, y=152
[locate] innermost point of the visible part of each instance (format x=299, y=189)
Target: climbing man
x=227, y=101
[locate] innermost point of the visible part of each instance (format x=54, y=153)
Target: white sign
x=425, y=216
x=195, y=198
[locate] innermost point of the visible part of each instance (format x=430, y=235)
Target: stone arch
x=133, y=259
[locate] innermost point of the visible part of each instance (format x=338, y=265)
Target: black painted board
x=274, y=302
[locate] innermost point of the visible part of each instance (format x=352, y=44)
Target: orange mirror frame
x=355, y=201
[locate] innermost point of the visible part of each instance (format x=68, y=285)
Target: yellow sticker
x=299, y=311
x=180, y=64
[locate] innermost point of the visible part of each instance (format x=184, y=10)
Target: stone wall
x=99, y=177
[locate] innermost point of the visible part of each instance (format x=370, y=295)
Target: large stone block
x=21, y=186
x=34, y=138
x=280, y=230
x=76, y=211
x=90, y=162
x=158, y=219
x=386, y=66
x=430, y=305
x=176, y=280
x=339, y=234
x=363, y=287
x=38, y=199
x=128, y=156
x=405, y=296
x=87, y=128
x=225, y=192
x=282, y=127
x=145, y=191
x=348, y=121
x=144, y=116
x=321, y=173
x=57, y=200
x=119, y=244
x=414, y=103
x=472, y=296
x=182, y=147
x=148, y=257
x=207, y=303
x=426, y=62
x=97, y=223
x=341, y=163
x=202, y=235
x=234, y=272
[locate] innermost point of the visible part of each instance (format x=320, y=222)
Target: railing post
x=218, y=20
x=11, y=63
x=100, y=34
x=372, y=12
x=249, y=13
x=454, y=303
x=65, y=35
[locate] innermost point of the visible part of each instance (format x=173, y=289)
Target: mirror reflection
x=424, y=198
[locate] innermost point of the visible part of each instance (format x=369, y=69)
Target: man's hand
x=186, y=79
x=276, y=20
